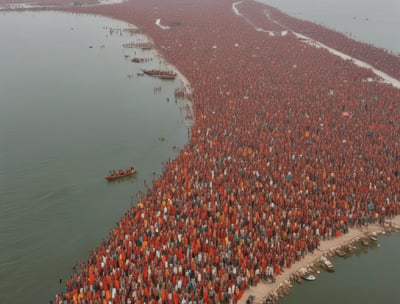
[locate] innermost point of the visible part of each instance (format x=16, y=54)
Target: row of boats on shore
x=341, y=252
x=327, y=265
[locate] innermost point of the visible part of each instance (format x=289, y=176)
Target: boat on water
x=113, y=175
x=364, y=242
x=373, y=237
x=327, y=264
x=340, y=252
x=160, y=74
x=309, y=277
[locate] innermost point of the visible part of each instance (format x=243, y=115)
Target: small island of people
x=292, y=149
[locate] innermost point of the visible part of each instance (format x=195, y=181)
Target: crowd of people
x=291, y=146
x=385, y=60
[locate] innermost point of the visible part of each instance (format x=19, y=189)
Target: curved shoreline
x=198, y=130
x=265, y=292
x=215, y=156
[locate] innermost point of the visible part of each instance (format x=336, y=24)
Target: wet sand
x=291, y=144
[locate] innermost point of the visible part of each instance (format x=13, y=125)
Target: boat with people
x=114, y=174
x=160, y=74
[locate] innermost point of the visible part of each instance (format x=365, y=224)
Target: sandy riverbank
x=263, y=290
x=270, y=146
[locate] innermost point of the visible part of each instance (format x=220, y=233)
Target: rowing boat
x=160, y=74
x=120, y=174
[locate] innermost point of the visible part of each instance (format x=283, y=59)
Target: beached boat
x=340, y=252
x=373, y=237
x=309, y=277
x=327, y=264
x=113, y=175
x=160, y=74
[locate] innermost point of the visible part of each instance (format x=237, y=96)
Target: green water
x=369, y=276
x=69, y=113
x=367, y=21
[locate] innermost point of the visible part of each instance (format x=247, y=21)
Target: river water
x=371, y=276
x=370, y=21
x=69, y=113
x=72, y=107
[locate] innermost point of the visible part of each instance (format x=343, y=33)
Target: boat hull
x=160, y=74
x=309, y=277
x=119, y=176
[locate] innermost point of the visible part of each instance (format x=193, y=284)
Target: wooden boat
x=340, y=252
x=120, y=174
x=373, y=237
x=179, y=93
x=309, y=277
x=135, y=59
x=160, y=74
x=364, y=242
x=327, y=264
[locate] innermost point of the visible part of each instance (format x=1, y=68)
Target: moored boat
x=309, y=277
x=160, y=74
x=373, y=238
x=113, y=175
x=327, y=264
x=340, y=252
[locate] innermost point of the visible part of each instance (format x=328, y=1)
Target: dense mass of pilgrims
x=291, y=146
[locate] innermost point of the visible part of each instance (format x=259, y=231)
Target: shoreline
x=382, y=76
x=217, y=173
x=265, y=292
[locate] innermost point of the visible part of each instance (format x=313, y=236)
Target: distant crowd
x=291, y=146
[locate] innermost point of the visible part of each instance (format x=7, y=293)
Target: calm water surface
x=370, y=21
x=368, y=277
x=69, y=113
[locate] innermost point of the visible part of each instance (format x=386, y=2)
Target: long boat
x=120, y=174
x=160, y=74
